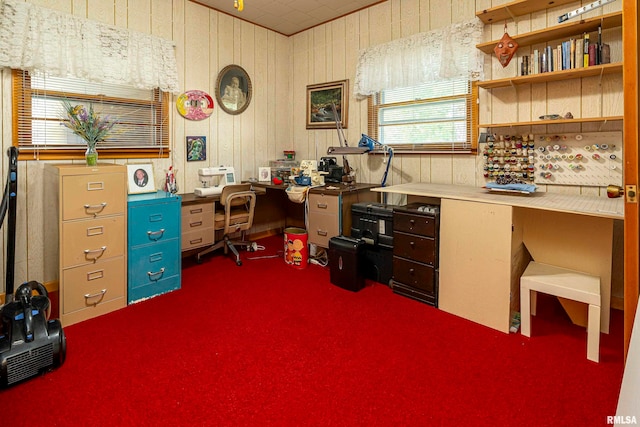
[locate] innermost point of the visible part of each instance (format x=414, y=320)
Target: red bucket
x=296, y=250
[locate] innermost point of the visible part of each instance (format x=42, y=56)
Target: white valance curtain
x=437, y=55
x=49, y=42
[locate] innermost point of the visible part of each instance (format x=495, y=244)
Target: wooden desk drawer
x=414, y=274
x=91, y=240
x=197, y=238
x=88, y=196
x=322, y=227
x=93, y=284
x=415, y=247
x=416, y=224
x=196, y=217
x=324, y=204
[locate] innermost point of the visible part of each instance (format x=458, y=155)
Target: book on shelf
x=585, y=50
x=579, y=50
x=593, y=55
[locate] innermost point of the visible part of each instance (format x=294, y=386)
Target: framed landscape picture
x=326, y=101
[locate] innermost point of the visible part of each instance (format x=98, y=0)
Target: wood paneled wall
x=280, y=68
x=206, y=41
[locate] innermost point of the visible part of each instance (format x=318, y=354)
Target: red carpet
x=265, y=344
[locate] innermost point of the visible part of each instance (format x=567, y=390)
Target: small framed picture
x=196, y=148
x=264, y=174
x=325, y=103
x=140, y=178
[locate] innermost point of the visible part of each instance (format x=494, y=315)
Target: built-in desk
x=487, y=240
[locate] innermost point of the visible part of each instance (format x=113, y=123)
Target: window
x=432, y=117
x=142, y=116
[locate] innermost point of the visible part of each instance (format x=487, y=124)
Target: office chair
x=238, y=203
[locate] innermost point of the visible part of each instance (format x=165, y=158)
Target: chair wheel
x=198, y=260
x=238, y=263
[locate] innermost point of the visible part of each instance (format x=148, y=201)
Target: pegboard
x=586, y=159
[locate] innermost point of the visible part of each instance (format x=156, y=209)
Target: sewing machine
x=226, y=176
x=308, y=174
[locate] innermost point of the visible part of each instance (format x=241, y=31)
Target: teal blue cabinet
x=154, y=257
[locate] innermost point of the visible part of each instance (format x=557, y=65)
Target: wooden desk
x=275, y=212
x=487, y=239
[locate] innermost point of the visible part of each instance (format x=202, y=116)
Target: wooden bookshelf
x=611, y=20
x=602, y=120
x=517, y=8
x=574, y=73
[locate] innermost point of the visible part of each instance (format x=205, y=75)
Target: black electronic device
x=30, y=343
x=325, y=163
x=335, y=174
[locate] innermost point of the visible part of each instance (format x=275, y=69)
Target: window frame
x=21, y=102
x=374, y=107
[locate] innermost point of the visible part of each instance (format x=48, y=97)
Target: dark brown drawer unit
x=415, y=252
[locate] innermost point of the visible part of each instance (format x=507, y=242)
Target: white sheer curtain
x=46, y=41
x=436, y=55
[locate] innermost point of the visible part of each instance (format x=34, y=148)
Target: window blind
x=431, y=117
x=142, y=116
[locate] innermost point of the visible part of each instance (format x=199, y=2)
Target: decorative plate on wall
x=195, y=105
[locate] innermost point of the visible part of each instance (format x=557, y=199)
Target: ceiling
x=289, y=16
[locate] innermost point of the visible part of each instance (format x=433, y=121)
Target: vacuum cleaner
x=30, y=343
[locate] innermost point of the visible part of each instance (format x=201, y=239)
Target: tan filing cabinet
x=330, y=210
x=86, y=228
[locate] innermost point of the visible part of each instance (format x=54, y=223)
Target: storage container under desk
x=415, y=252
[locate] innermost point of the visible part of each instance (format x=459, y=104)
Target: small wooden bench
x=563, y=283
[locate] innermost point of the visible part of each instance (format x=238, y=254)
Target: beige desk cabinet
x=197, y=222
x=86, y=230
x=487, y=240
x=330, y=210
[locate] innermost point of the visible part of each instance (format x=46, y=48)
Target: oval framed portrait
x=233, y=89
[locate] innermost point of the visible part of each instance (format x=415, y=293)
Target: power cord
x=320, y=259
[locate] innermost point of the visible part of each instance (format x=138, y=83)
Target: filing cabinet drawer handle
x=195, y=211
x=194, y=241
x=95, y=209
x=100, y=252
x=195, y=224
x=412, y=244
x=96, y=295
x=155, y=235
x=321, y=233
x=322, y=206
x=411, y=271
x=155, y=275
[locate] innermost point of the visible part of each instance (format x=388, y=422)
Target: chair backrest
x=239, y=203
x=227, y=190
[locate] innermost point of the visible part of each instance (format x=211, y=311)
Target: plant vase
x=91, y=155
